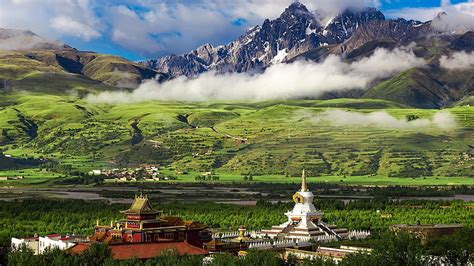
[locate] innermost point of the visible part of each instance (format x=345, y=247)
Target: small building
x=95, y=172
x=31, y=243
x=215, y=245
x=5, y=178
x=336, y=254
x=58, y=241
x=39, y=244
x=427, y=231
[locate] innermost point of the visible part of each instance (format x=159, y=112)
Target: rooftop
x=140, y=205
x=144, y=251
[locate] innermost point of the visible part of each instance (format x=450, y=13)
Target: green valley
x=271, y=141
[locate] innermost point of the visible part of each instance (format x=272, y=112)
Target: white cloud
x=281, y=81
x=458, y=16
x=458, y=61
x=258, y=10
x=69, y=26
x=421, y=14
x=52, y=18
x=381, y=119
x=180, y=26
x=170, y=28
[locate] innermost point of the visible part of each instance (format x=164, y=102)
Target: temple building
x=143, y=224
x=304, y=221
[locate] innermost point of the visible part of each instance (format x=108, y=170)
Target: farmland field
x=272, y=141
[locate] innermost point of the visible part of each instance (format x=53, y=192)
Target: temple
x=304, y=221
x=143, y=224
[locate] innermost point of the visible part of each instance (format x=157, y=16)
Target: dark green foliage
x=399, y=249
x=412, y=117
x=414, y=87
x=28, y=126
x=97, y=254
x=44, y=216
x=457, y=248
x=17, y=163
x=137, y=136
x=388, y=249
x=82, y=180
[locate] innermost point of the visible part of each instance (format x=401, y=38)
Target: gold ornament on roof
x=304, y=185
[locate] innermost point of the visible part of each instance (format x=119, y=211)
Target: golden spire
x=304, y=185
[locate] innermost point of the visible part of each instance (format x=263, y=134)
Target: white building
x=304, y=221
x=95, y=172
x=40, y=244
x=31, y=243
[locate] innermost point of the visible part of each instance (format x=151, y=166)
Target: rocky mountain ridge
x=295, y=32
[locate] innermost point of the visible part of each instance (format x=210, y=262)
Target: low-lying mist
x=300, y=79
x=458, y=61
x=339, y=118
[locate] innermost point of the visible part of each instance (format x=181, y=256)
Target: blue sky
x=394, y=4
x=140, y=29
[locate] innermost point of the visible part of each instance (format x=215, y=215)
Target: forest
x=26, y=217
x=45, y=216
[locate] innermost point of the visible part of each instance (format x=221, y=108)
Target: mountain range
x=294, y=33
x=297, y=34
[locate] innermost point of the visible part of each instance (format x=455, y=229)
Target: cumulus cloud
x=458, y=61
x=170, y=28
x=458, y=17
x=52, y=18
x=180, y=26
x=153, y=28
x=281, y=81
x=381, y=119
x=446, y=17
x=66, y=25
x=257, y=10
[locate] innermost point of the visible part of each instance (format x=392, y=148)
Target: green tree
x=399, y=249
x=97, y=254
x=23, y=256
x=454, y=248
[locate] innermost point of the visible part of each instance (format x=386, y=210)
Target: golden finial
x=304, y=185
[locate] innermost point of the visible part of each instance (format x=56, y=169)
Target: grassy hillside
x=423, y=88
x=273, y=138
x=87, y=66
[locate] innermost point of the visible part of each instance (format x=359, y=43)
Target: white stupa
x=304, y=221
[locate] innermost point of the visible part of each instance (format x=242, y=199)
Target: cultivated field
x=271, y=141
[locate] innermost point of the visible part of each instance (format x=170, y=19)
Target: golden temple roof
x=140, y=205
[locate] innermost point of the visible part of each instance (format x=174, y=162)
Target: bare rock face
x=399, y=32
x=464, y=42
x=26, y=40
x=296, y=31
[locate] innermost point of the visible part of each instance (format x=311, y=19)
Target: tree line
x=388, y=249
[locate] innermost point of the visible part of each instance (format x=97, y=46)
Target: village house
x=39, y=244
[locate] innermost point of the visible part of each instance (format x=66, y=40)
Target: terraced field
x=264, y=139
